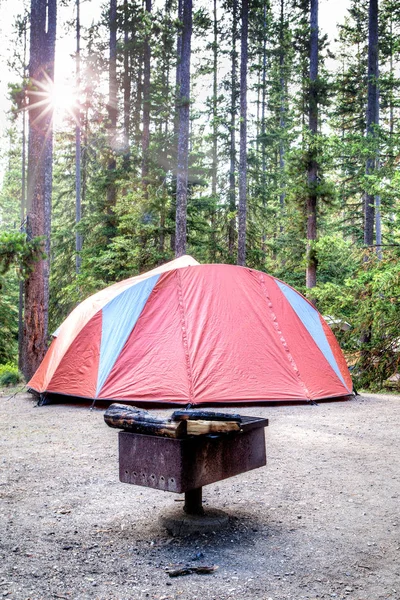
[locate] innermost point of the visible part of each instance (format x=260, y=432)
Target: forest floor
x=321, y=520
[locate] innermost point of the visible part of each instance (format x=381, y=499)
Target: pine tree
x=312, y=175
x=372, y=116
x=183, y=132
x=40, y=154
x=243, y=135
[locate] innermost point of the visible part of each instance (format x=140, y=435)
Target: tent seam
x=282, y=337
x=184, y=337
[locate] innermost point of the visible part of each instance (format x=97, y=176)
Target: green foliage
x=17, y=250
x=9, y=375
x=8, y=317
x=368, y=299
x=137, y=233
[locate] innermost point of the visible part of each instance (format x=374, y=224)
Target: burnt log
x=135, y=420
x=203, y=415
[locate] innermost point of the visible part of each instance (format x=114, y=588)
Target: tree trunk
x=243, y=137
x=214, y=166
x=176, y=119
x=378, y=218
x=146, y=104
x=183, y=133
x=22, y=213
x=112, y=116
x=138, y=101
x=372, y=116
x=263, y=144
x=282, y=111
x=312, y=176
x=127, y=87
x=232, y=144
x=40, y=156
x=78, y=211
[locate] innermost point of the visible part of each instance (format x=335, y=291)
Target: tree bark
x=146, y=104
x=40, y=156
x=22, y=210
x=112, y=116
x=176, y=119
x=232, y=143
x=127, y=87
x=138, y=100
x=183, y=133
x=312, y=176
x=214, y=165
x=372, y=116
x=282, y=111
x=243, y=137
x=78, y=208
x=263, y=144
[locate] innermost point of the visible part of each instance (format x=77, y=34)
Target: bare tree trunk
x=282, y=112
x=165, y=127
x=183, y=133
x=112, y=116
x=243, y=137
x=263, y=148
x=138, y=101
x=232, y=150
x=311, y=205
x=176, y=120
x=214, y=167
x=372, y=116
x=179, y=54
x=78, y=211
x=40, y=156
x=378, y=220
x=146, y=106
x=127, y=87
x=22, y=213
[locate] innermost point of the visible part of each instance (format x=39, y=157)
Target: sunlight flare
x=52, y=96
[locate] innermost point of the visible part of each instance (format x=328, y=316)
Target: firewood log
x=200, y=427
x=134, y=420
x=204, y=415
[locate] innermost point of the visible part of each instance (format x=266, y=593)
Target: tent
x=190, y=333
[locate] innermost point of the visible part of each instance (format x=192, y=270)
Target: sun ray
x=42, y=114
x=47, y=95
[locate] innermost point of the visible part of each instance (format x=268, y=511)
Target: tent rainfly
x=190, y=333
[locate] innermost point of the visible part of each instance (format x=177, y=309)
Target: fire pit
x=186, y=464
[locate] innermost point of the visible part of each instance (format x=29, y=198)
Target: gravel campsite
x=321, y=520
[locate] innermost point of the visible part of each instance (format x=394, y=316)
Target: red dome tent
x=195, y=333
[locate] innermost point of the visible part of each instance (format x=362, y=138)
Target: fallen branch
x=201, y=570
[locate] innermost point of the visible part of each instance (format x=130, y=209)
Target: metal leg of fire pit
x=194, y=502
x=193, y=518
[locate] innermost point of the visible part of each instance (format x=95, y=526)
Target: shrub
x=9, y=375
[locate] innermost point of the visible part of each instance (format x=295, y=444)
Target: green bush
x=9, y=375
x=369, y=301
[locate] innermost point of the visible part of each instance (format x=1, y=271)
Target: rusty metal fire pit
x=186, y=465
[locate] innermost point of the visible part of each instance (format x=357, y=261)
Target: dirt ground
x=321, y=520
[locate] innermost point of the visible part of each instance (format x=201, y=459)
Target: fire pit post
x=186, y=464
x=194, y=502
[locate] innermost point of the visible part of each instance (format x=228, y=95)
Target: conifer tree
x=183, y=131
x=243, y=134
x=372, y=117
x=312, y=175
x=43, y=20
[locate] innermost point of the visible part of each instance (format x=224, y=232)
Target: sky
x=331, y=13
